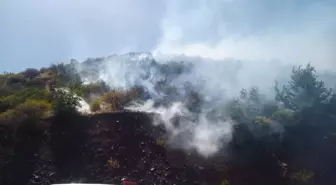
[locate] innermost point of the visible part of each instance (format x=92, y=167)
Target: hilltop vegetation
x=291, y=128
x=50, y=90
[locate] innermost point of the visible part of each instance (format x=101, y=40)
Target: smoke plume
x=189, y=95
x=208, y=53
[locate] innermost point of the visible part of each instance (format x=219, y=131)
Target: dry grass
x=115, y=100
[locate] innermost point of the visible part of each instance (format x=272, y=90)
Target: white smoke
x=206, y=136
x=225, y=45
x=251, y=30
x=171, y=84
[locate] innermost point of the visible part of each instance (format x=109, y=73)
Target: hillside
x=152, y=122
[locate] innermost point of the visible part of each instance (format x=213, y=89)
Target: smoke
x=190, y=131
x=209, y=51
x=189, y=95
x=288, y=31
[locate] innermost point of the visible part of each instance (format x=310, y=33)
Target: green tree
x=303, y=90
x=66, y=75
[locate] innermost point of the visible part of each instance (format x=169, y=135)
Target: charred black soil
x=104, y=148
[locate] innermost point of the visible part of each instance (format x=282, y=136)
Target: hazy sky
x=35, y=33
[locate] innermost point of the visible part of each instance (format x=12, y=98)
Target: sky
x=36, y=33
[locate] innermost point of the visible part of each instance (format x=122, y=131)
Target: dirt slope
x=104, y=148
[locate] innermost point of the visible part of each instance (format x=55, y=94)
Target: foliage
x=283, y=116
x=36, y=83
x=16, y=78
x=225, y=182
x=65, y=102
x=30, y=109
x=47, y=75
x=66, y=75
x=303, y=176
x=303, y=90
x=19, y=96
x=113, y=163
x=247, y=107
x=262, y=120
x=116, y=99
x=160, y=142
x=33, y=108
x=97, y=89
x=44, y=69
x=31, y=73
x=8, y=116
x=95, y=106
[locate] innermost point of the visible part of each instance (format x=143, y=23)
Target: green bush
x=65, y=102
x=33, y=108
x=30, y=109
x=19, y=96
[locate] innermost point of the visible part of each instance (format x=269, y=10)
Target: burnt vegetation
x=288, y=140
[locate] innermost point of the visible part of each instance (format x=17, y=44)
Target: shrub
x=66, y=75
x=8, y=116
x=31, y=73
x=65, y=102
x=5, y=91
x=47, y=75
x=30, y=109
x=96, y=88
x=86, y=91
x=44, y=69
x=95, y=106
x=116, y=99
x=303, y=176
x=16, y=78
x=20, y=96
x=262, y=120
x=225, y=182
x=160, y=142
x=33, y=108
x=36, y=83
x=283, y=116
x=113, y=163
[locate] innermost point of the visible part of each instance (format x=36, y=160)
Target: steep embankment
x=103, y=148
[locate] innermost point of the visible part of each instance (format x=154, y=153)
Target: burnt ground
x=104, y=148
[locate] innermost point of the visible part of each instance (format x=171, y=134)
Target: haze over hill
x=290, y=31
